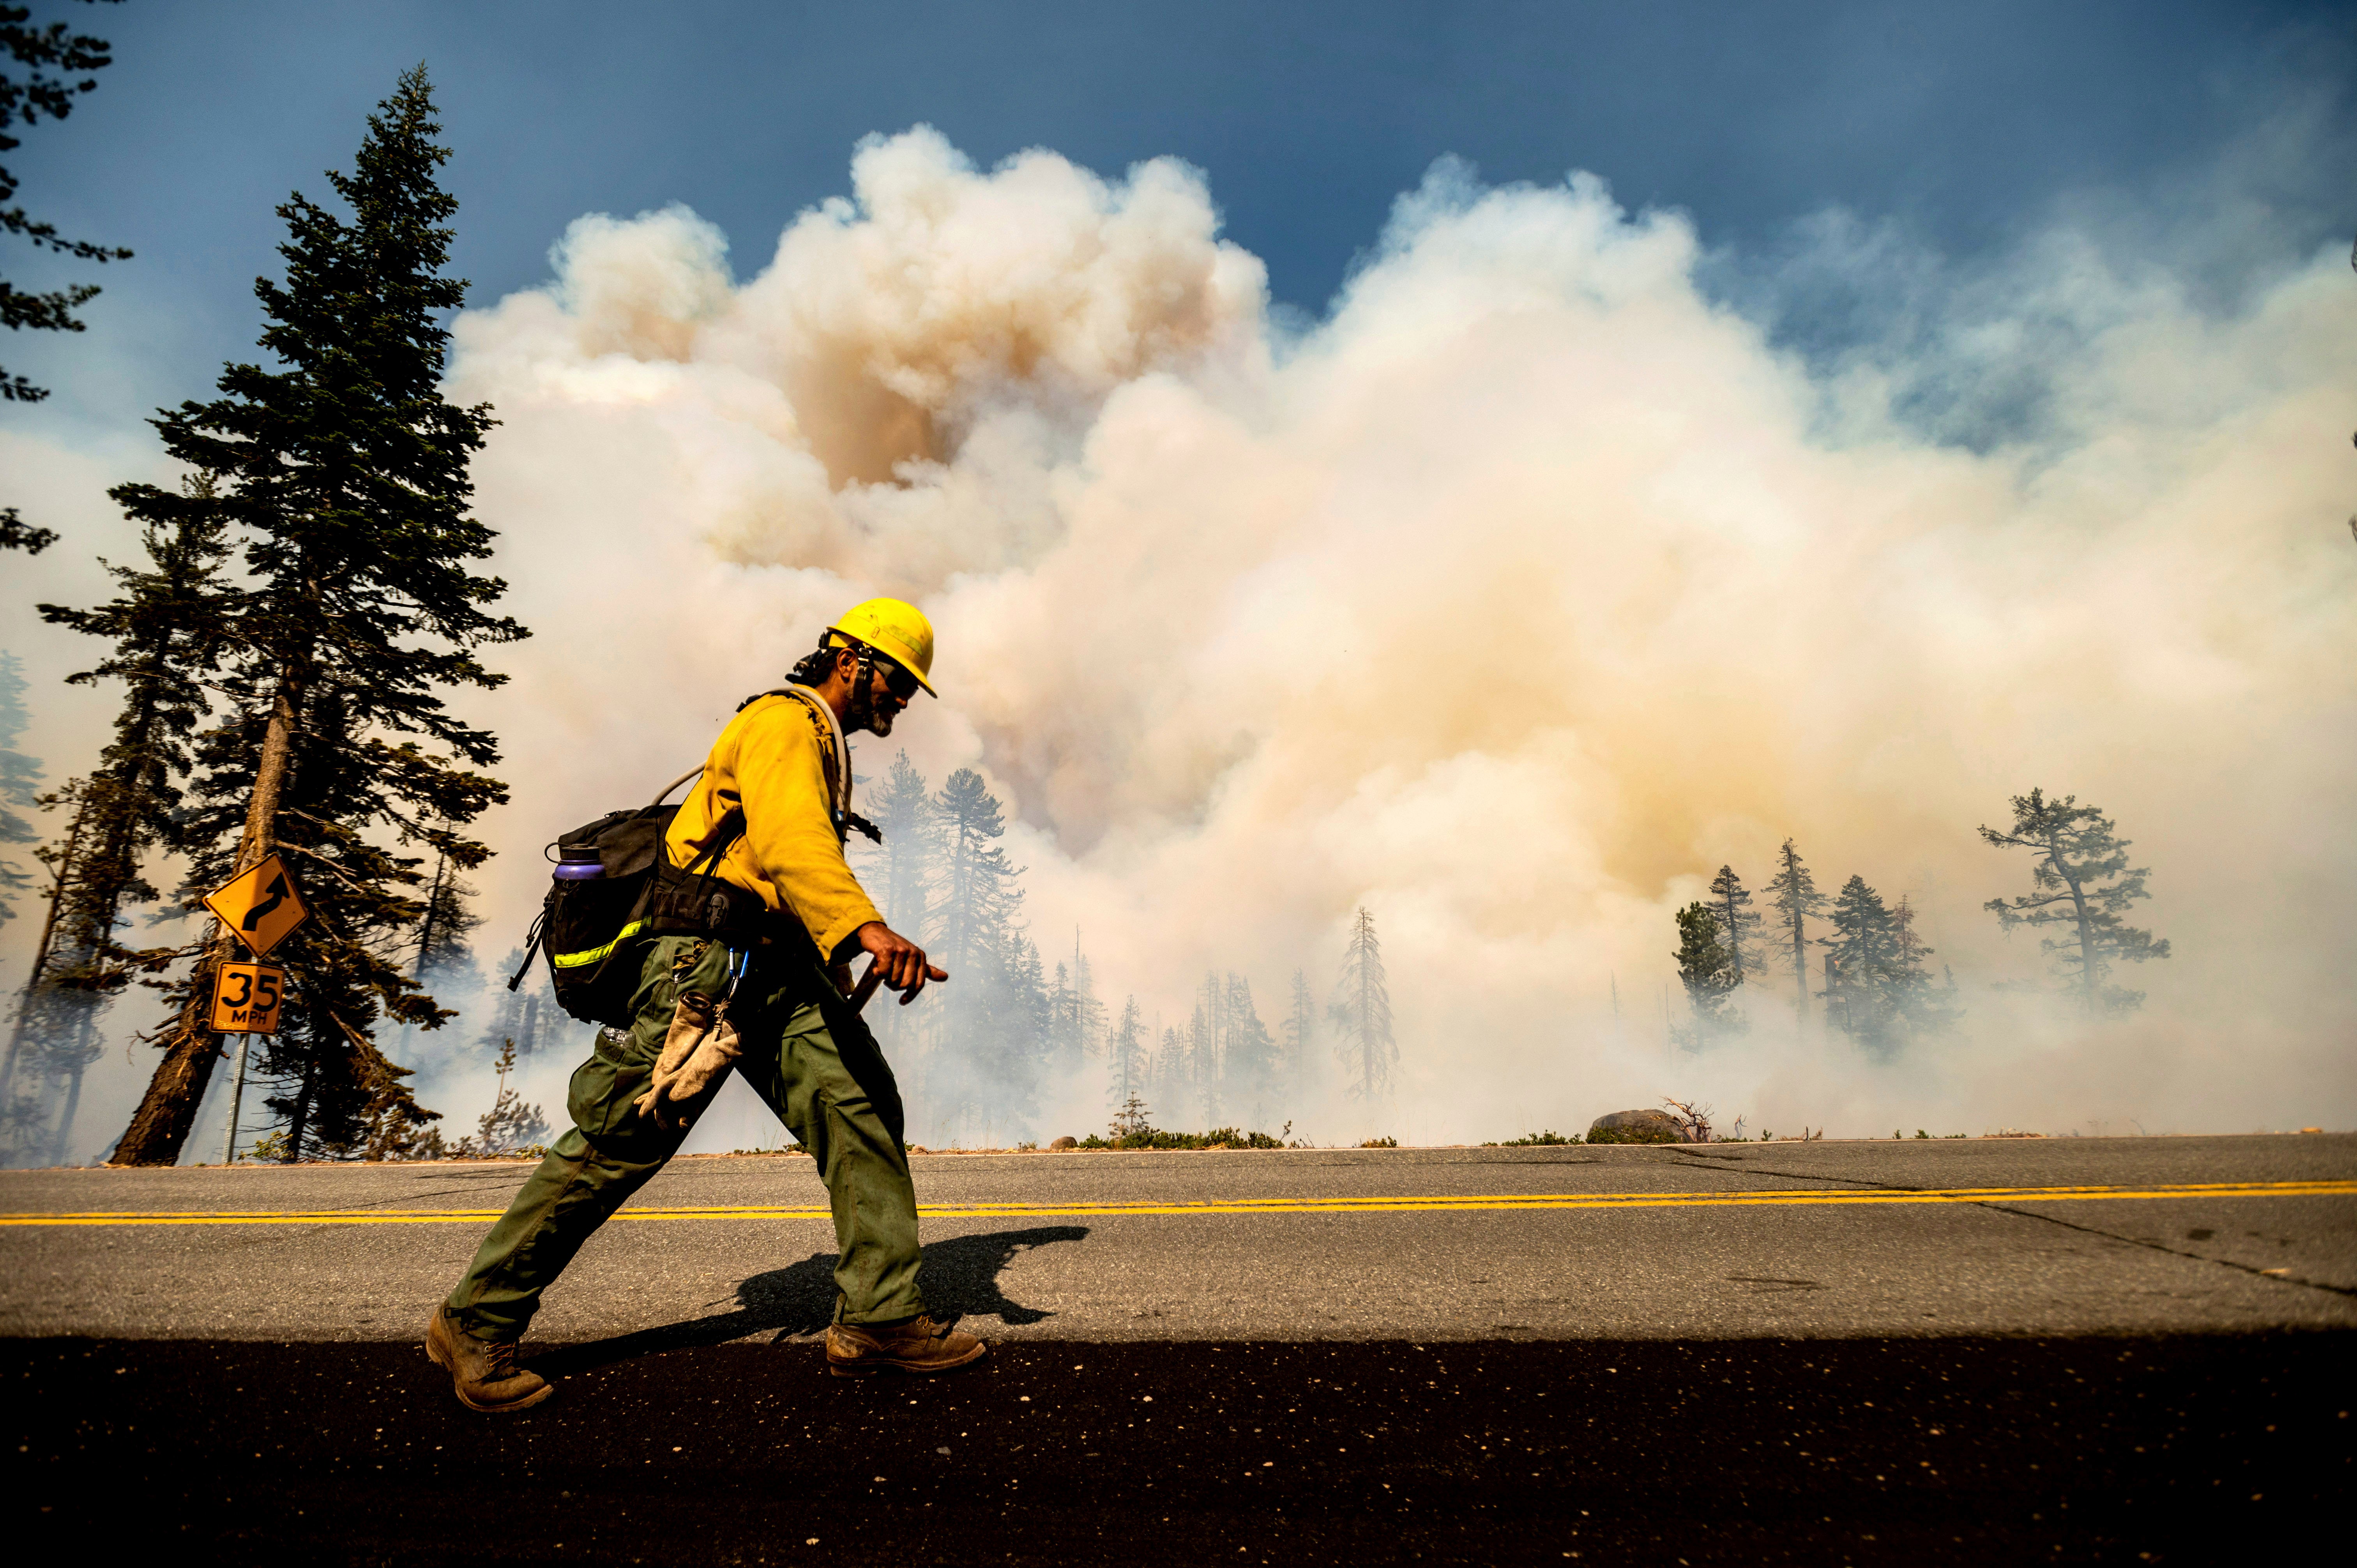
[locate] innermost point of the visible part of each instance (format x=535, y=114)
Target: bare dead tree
x=1693, y=1120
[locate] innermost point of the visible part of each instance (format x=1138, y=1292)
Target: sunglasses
x=896, y=681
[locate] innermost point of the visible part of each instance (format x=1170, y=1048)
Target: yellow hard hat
x=896, y=630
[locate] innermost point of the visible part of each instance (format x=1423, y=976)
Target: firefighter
x=767, y=998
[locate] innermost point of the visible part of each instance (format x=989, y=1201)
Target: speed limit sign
x=246, y=998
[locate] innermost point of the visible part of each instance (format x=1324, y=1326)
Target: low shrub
x=1155, y=1138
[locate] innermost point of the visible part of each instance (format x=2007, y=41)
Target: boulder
x=1065, y=1144
x=1635, y=1127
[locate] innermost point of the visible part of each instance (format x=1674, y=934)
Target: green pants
x=805, y=1052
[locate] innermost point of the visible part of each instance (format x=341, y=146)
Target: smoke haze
x=1511, y=599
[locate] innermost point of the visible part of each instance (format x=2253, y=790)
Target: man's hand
x=900, y=962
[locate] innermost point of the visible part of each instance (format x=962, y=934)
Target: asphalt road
x=1864, y=1352
x=1265, y=1245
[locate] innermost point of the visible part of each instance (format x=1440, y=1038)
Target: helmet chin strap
x=863, y=692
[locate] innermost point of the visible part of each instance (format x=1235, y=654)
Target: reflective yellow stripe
x=576, y=960
x=1497, y=1203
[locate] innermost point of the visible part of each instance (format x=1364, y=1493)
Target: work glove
x=698, y=1051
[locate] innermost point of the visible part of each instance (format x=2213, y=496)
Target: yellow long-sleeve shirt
x=775, y=759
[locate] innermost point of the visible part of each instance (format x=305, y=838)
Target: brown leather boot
x=483, y=1372
x=919, y=1345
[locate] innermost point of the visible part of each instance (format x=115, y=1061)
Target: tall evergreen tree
x=2081, y=883
x=1203, y=1051
x=1738, y=923
x=448, y=920
x=901, y=871
x=1362, y=1014
x=44, y=1022
x=1863, y=946
x=990, y=1032
x=164, y=629
x=1793, y=894
x=1299, y=1036
x=1126, y=1055
x=1076, y=1026
x=1879, y=990
x=979, y=896
x=1169, y=1075
x=20, y=782
x=1919, y=1006
x=525, y=1017
x=52, y=56
x=1251, y=1057
x=344, y=477
x=1707, y=968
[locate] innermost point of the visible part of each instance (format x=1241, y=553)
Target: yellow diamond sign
x=260, y=907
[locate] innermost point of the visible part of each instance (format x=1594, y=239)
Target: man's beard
x=879, y=720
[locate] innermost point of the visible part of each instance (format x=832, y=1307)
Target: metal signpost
x=261, y=908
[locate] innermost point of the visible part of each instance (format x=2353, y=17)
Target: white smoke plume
x=1509, y=600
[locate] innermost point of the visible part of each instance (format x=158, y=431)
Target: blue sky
x=1961, y=125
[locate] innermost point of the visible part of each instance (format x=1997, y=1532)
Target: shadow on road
x=960, y=1278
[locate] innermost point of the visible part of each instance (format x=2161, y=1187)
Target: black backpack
x=595, y=926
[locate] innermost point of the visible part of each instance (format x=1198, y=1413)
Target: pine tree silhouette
x=1793, y=894
x=344, y=475
x=1362, y=1014
x=2080, y=881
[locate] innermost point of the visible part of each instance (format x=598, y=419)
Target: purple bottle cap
x=579, y=870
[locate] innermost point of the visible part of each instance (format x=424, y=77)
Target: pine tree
x=52, y=56
x=163, y=628
x=1879, y=989
x=512, y=1126
x=1171, y=1066
x=1088, y=1020
x=1127, y=1064
x=1793, y=894
x=1203, y=1051
x=1738, y=923
x=1362, y=1014
x=1248, y=1058
x=1918, y=1006
x=1076, y=1016
x=1300, y=1033
x=44, y=1019
x=994, y=1022
x=448, y=920
x=503, y=1018
x=979, y=896
x=901, y=871
x=1862, y=938
x=20, y=780
x=344, y=477
x=1707, y=968
x=2080, y=881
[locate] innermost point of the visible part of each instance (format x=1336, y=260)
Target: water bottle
x=579, y=865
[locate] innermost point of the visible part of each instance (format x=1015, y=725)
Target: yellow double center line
x=1419, y=1204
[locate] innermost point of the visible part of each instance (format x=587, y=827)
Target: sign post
x=260, y=908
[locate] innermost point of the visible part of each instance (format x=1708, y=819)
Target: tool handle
x=866, y=986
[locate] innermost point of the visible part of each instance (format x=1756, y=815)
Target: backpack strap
x=839, y=784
